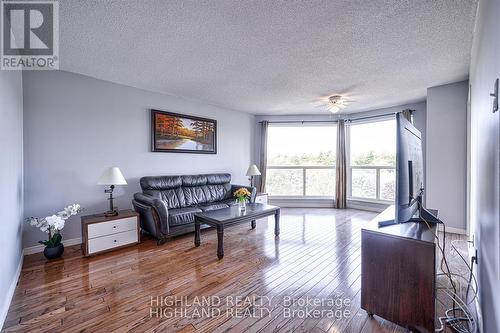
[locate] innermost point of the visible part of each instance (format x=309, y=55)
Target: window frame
x=304, y=168
x=350, y=197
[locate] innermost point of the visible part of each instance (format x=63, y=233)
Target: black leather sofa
x=167, y=204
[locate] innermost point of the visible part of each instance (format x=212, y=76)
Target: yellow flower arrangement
x=242, y=194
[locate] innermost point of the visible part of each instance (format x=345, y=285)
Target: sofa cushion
x=181, y=216
x=218, y=178
x=194, y=195
x=198, y=195
x=213, y=206
x=174, y=198
x=166, y=188
x=188, y=190
x=194, y=180
x=217, y=192
x=160, y=182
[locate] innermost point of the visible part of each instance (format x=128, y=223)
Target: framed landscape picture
x=178, y=133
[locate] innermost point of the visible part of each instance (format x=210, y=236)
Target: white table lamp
x=252, y=172
x=111, y=176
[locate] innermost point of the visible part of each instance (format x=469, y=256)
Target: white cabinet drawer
x=111, y=227
x=108, y=242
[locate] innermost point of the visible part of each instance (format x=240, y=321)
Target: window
x=372, y=160
x=301, y=160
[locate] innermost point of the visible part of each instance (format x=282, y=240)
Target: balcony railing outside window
x=301, y=181
x=372, y=182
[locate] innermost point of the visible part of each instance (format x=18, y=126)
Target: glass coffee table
x=222, y=218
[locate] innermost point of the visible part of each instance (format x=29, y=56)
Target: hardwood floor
x=316, y=257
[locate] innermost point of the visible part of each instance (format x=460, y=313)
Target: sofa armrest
x=159, y=207
x=251, y=189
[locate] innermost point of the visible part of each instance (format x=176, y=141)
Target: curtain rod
x=374, y=116
x=328, y=121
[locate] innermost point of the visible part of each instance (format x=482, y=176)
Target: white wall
x=447, y=152
x=11, y=184
x=484, y=195
x=76, y=126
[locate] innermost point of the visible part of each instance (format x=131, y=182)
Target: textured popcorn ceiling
x=271, y=57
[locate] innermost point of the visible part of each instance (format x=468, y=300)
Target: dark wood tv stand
x=398, y=272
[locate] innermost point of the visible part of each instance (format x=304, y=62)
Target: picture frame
x=181, y=133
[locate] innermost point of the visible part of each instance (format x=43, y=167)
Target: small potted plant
x=242, y=196
x=53, y=225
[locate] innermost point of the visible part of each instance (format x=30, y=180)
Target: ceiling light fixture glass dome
x=336, y=103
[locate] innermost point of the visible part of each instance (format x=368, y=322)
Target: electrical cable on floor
x=471, y=275
x=442, y=249
x=454, y=321
x=468, y=283
x=457, y=322
x=458, y=317
x=470, y=268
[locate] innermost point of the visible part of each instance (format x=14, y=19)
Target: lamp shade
x=112, y=176
x=253, y=170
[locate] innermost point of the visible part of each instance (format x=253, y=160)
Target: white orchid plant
x=54, y=224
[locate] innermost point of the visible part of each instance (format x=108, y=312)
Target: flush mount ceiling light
x=333, y=103
x=336, y=103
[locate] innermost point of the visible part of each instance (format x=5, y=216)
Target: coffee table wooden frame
x=220, y=224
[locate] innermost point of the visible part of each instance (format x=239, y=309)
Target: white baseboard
x=456, y=231
x=10, y=292
x=39, y=248
x=365, y=207
x=326, y=203
x=302, y=203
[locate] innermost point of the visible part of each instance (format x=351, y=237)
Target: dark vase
x=53, y=252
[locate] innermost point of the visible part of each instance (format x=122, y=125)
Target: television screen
x=409, y=170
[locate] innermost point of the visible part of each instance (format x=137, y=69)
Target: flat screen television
x=409, y=170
